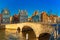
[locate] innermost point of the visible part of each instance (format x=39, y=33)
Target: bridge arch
x=37, y=28
x=44, y=36
x=30, y=31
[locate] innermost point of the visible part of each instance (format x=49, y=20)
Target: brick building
x=53, y=18
x=44, y=17
x=15, y=19
x=48, y=19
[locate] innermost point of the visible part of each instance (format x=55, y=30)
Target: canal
x=26, y=34
x=13, y=35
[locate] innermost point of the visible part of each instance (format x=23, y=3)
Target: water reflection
x=9, y=35
x=2, y=35
x=13, y=35
x=28, y=33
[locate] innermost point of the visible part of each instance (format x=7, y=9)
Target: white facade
x=5, y=16
x=23, y=16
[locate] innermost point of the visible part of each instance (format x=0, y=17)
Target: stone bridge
x=38, y=30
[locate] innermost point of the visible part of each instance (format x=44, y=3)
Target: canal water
x=9, y=35
x=13, y=35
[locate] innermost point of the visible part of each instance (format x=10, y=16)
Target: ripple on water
x=13, y=36
x=9, y=35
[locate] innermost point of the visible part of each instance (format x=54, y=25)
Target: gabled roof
x=44, y=13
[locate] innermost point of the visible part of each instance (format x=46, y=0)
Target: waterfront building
x=48, y=19
x=53, y=18
x=15, y=19
x=58, y=20
x=23, y=16
x=11, y=19
x=35, y=17
x=30, y=19
x=5, y=16
x=44, y=17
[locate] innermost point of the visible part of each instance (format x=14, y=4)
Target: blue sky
x=31, y=6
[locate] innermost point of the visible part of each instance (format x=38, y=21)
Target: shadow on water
x=31, y=34
x=18, y=29
x=44, y=36
x=8, y=34
x=13, y=35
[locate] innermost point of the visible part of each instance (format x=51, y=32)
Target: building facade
x=23, y=16
x=11, y=19
x=58, y=19
x=48, y=19
x=30, y=19
x=15, y=19
x=53, y=18
x=44, y=17
x=35, y=17
x=5, y=16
